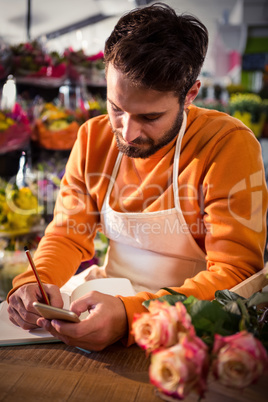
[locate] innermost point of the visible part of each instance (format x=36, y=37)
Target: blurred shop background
x=52, y=80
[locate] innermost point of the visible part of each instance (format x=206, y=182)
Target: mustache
x=137, y=141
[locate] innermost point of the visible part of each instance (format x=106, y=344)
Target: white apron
x=154, y=249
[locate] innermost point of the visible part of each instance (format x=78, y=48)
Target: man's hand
x=20, y=309
x=105, y=324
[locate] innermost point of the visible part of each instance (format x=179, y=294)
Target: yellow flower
x=5, y=123
x=58, y=125
x=53, y=115
x=94, y=105
x=25, y=199
x=19, y=209
x=50, y=106
x=17, y=221
x=10, y=121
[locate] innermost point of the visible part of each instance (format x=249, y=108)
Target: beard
x=151, y=146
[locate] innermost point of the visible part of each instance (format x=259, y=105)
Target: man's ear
x=192, y=94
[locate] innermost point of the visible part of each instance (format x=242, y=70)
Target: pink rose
x=182, y=368
x=240, y=359
x=160, y=327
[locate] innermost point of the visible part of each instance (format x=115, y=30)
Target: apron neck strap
x=176, y=162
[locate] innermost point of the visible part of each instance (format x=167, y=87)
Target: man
x=178, y=190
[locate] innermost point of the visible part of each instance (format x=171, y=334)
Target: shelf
x=41, y=82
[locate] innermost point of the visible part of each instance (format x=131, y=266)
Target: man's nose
x=131, y=128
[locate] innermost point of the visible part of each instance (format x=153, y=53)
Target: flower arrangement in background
x=47, y=175
x=89, y=66
x=13, y=260
x=12, y=263
x=56, y=127
x=249, y=108
x=32, y=61
x=235, y=89
x=96, y=106
x=6, y=121
x=56, y=117
x=191, y=341
x=16, y=116
x=15, y=129
x=19, y=209
x=20, y=224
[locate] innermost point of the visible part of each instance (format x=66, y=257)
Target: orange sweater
x=221, y=186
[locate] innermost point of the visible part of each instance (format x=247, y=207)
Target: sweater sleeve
x=235, y=205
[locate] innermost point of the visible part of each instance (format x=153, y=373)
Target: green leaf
x=210, y=318
x=146, y=303
x=225, y=296
x=245, y=318
x=103, y=237
x=190, y=300
x=170, y=299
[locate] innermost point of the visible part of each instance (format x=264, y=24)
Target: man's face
x=143, y=120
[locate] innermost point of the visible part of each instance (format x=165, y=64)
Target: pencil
x=41, y=287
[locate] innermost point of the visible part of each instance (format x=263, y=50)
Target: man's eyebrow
x=112, y=103
x=140, y=114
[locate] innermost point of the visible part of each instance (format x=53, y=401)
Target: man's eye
x=115, y=108
x=151, y=118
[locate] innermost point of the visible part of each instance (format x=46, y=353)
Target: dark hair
x=158, y=49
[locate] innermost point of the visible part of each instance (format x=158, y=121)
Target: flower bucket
x=62, y=139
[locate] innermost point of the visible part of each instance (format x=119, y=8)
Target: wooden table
x=56, y=372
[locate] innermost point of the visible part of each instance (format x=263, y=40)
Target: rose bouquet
x=191, y=341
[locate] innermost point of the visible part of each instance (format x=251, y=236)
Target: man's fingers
x=20, y=308
x=106, y=322
x=86, y=303
x=26, y=320
x=48, y=326
x=54, y=294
